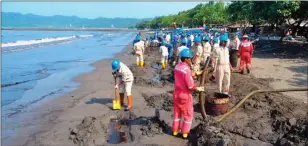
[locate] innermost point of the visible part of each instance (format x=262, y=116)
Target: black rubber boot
x=248, y=71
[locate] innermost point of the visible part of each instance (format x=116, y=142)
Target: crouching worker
x=124, y=82
x=139, y=51
x=182, y=97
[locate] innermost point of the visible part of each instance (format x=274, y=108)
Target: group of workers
x=188, y=60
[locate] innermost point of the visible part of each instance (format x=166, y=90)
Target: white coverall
x=223, y=71
x=192, y=39
x=215, y=47
x=168, y=37
x=164, y=54
x=203, y=53
x=125, y=79
x=139, y=50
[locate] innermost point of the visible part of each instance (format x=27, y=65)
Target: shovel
x=116, y=104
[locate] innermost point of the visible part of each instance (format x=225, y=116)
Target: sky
x=93, y=10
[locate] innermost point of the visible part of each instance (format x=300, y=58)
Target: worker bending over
x=245, y=53
x=222, y=66
x=182, y=97
x=139, y=51
x=124, y=82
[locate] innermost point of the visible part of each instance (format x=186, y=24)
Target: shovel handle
x=115, y=89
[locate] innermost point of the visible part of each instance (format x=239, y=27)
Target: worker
x=124, y=82
x=182, y=97
x=170, y=50
x=214, y=48
x=192, y=39
x=245, y=53
x=139, y=51
x=168, y=38
x=234, y=46
x=179, y=49
x=222, y=66
x=164, y=54
x=201, y=54
x=189, y=41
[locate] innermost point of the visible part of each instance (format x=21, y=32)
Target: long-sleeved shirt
x=245, y=47
x=124, y=74
x=139, y=48
x=183, y=78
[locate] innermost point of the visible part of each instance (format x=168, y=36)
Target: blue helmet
x=215, y=39
x=138, y=38
x=198, y=40
x=115, y=64
x=186, y=53
x=206, y=38
x=183, y=41
x=224, y=38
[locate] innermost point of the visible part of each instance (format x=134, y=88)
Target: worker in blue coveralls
x=170, y=50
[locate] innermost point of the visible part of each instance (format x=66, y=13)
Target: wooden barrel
x=217, y=104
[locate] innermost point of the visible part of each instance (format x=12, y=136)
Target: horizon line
x=80, y=17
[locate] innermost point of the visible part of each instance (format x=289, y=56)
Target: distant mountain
x=30, y=20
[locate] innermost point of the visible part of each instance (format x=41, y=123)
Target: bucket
x=217, y=104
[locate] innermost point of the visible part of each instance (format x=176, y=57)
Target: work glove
x=200, y=89
x=173, y=63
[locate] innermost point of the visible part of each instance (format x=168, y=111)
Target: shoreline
x=72, y=29
x=44, y=114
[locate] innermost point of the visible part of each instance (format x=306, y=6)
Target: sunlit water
x=40, y=65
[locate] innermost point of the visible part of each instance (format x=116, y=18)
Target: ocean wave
x=43, y=40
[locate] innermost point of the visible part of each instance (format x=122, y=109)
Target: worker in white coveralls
x=164, y=54
x=124, y=82
x=214, y=48
x=139, y=51
x=202, y=54
x=222, y=66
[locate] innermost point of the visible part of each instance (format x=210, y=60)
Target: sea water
x=40, y=65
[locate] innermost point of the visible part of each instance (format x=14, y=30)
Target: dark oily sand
x=268, y=118
x=161, y=101
x=84, y=133
x=154, y=126
x=152, y=74
x=264, y=119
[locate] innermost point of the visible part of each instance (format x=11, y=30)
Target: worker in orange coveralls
x=245, y=53
x=182, y=97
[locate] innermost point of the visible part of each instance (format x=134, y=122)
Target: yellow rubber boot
x=185, y=135
x=163, y=65
x=141, y=63
x=114, y=104
x=137, y=63
x=175, y=133
x=118, y=105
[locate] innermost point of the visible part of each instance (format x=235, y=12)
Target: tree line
x=273, y=13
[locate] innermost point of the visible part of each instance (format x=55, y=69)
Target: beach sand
x=61, y=118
